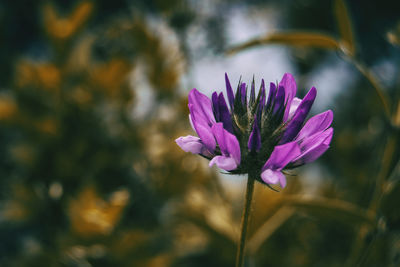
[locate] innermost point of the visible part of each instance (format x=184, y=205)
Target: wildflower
x=262, y=135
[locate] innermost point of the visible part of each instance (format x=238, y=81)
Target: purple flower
x=262, y=135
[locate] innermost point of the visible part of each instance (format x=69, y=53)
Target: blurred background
x=94, y=93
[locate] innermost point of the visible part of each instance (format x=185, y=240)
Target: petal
x=254, y=143
x=203, y=130
x=229, y=91
x=318, y=138
x=191, y=121
x=271, y=94
x=218, y=131
x=227, y=142
x=214, y=99
x=282, y=181
x=202, y=105
x=299, y=116
x=312, y=155
x=233, y=146
x=289, y=83
x=206, y=137
x=197, y=118
x=293, y=107
x=223, y=162
x=313, y=147
x=315, y=124
x=190, y=143
x=225, y=116
x=273, y=177
x=281, y=156
x=279, y=100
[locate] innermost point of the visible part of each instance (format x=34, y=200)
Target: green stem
x=245, y=221
x=375, y=84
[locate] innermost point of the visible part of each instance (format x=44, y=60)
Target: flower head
x=263, y=135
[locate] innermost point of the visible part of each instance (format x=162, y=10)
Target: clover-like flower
x=259, y=135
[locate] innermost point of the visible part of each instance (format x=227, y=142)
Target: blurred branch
x=346, y=45
x=348, y=48
x=200, y=221
x=308, y=39
x=268, y=228
x=332, y=208
x=390, y=149
x=359, y=249
x=394, y=177
x=375, y=84
x=345, y=27
x=295, y=38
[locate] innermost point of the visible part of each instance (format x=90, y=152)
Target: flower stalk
x=245, y=221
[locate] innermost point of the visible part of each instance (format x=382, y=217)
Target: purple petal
x=281, y=156
x=223, y=162
x=233, y=146
x=214, y=99
x=316, y=124
x=227, y=142
x=279, y=100
x=202, y=105
x=221, y=111
x=225, y=116
x=312, y=155
x=314, y=146
x=299, y=116
x=229, y=91
x=206, y=137
x=293, y=107
x=273, y=177
x=203, y=130
x=254, y=143
x=271, y=94
x=316, y=139
x=191, y=122
x=198, y=118
x=192, y=144
x=289, y=83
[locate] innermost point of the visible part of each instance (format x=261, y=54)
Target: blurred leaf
x=91, y=215
x=396, y=116
x=22, y=206
x=309, y=39
x=210, y=213
x=393, y=36
x=345, y=27
x=8, y=108
x=391, y=197
x=64, y=27
x=332, y=208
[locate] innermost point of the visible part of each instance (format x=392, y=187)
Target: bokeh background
x=94, y=93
